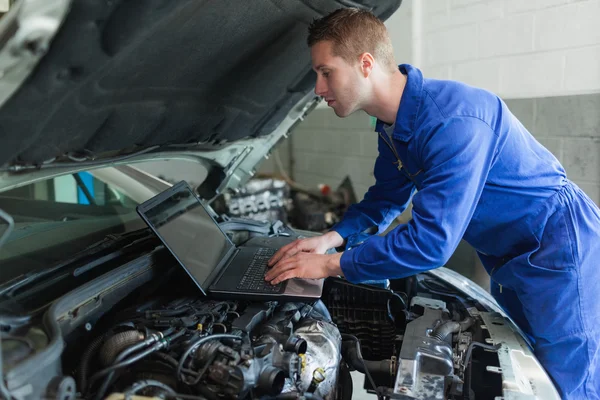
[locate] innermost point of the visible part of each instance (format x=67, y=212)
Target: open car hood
x=88, y=83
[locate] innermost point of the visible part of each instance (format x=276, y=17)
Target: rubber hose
x=84, y=364
x=376, y=367
x=345, y=382
x=116, y=344
x=449, y=327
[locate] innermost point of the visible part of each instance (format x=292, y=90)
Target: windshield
x=59, y=217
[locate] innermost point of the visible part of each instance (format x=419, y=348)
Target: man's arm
x=456, y=159
x=383, y=202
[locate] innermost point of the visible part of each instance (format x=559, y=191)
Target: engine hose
x=353, y=338
x=442, y=331
x=121, y=362
x=374, y=367
x=84, y=364
x=345, y=383
x=173, y=362
x=116, y=344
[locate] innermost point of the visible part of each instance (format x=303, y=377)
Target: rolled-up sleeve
x=456, y=159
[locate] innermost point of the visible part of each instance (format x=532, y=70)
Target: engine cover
x=424, y=360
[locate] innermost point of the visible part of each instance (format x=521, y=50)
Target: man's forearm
x=333, y=239
x=334, y=267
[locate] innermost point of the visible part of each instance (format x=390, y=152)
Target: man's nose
x=320, y=87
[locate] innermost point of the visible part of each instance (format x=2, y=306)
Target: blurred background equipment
x=272, y=198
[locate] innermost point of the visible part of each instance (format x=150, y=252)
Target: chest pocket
x=408, y=169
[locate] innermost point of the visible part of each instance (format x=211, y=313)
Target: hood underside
x=122, y=76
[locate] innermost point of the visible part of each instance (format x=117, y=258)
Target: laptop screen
x=191, y=234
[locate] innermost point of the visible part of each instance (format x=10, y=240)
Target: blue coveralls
x=479, y=175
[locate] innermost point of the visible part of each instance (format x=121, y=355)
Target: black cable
x=389, y=311
x=401, y=299
x=467, y=374
x=358, y=351
x=197, y=344
x=173, y=362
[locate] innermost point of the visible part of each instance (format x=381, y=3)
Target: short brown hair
x=354, y=32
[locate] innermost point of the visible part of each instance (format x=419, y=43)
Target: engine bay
x=143, y=331
x=197, y=348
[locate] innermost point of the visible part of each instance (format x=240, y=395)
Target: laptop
x=189, y=231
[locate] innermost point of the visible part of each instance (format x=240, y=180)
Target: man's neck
x=386, y=98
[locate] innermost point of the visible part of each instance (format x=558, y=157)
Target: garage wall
x=542, y=57
x=516, y=48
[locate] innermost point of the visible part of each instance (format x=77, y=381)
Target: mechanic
x=479, y=175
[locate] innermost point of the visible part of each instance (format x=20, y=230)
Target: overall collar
x=409, y=103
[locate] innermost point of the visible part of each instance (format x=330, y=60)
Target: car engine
x=216, y=349
x=142, y=330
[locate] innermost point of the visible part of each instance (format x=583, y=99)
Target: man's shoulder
x=445, y=99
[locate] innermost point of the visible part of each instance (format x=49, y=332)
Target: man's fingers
x=285, y=276
x=278, y=255
x=279, y=268
x=286, y=251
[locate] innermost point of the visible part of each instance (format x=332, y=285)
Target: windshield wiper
x=119, y=244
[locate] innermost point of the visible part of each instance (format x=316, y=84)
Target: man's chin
x=342, y=113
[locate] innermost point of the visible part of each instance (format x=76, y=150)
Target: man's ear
x=367, y=63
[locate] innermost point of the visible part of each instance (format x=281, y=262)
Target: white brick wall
x=516, y=48
x=326, y=149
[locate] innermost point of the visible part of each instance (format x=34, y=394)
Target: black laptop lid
x=187, y=229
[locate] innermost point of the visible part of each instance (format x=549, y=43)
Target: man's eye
x=325, y=74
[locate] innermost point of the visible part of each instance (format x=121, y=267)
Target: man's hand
x=305, y=265
x=315, y=245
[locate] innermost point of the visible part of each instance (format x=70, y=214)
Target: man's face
x=338, y=81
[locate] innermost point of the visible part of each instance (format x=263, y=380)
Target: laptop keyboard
x=254, y=277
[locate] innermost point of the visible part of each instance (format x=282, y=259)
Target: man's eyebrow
x=320, y=66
